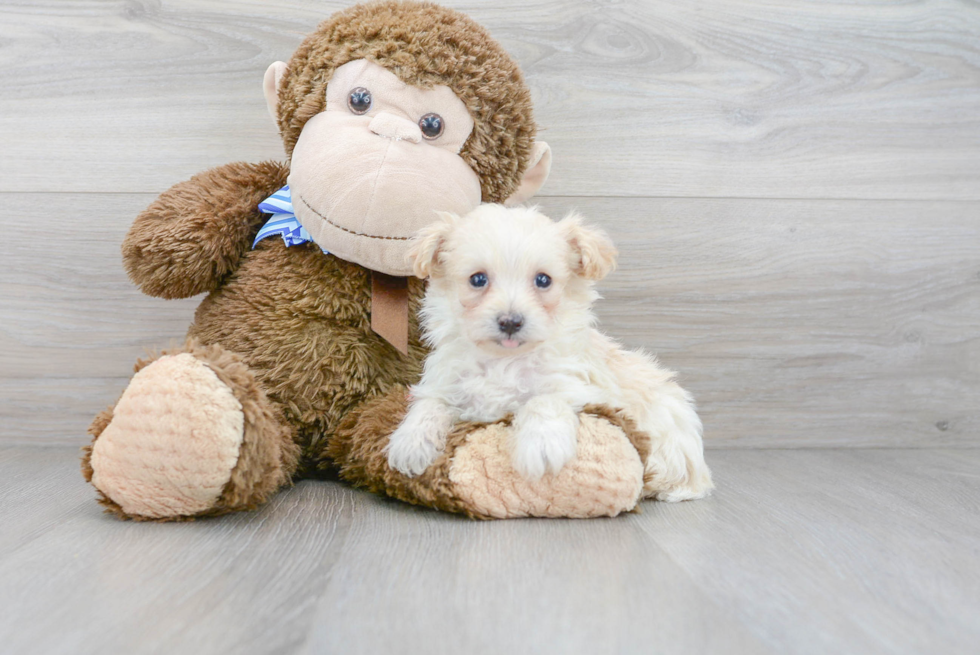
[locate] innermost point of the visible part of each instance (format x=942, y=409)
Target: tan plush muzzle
x=364, y=183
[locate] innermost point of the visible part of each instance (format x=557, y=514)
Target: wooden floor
x=800, y=551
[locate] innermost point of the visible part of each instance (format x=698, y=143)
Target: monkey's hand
x=196, y=233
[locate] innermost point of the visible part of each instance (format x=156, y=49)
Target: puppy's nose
x=510, y=323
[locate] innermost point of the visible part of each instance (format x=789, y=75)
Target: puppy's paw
x=675, y=468
x=688, y=492
x=411, y=454
x=420, y=439
x=544, y=444
x=673, y=475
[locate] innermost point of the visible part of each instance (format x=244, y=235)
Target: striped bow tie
x=283, y=221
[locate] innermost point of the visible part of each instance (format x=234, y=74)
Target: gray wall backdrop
x=795, y=188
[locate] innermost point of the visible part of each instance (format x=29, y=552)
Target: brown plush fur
x=424, y=45
x=191, y=237
x=268, y=455
x=99, y=423
x=301, y=321
x=357, y=448
x=288, y=329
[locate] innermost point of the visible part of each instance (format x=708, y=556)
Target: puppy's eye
x=432, y=126
x=359, y=100
x=478, y=280
x=542, y=281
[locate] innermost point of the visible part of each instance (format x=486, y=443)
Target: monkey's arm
x=191, y=237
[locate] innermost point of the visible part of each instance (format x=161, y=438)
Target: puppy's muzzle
x=510, y=324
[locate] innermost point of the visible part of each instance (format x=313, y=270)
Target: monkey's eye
x=542, y=281
x=478, y=280
x=431, y=126
x=359, y=100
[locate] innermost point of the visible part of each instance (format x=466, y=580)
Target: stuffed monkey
x=298, y=355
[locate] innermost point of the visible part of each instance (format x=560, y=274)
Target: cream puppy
x=508, y=314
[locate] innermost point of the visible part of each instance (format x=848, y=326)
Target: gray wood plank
x=418, y=581
x=723, y=98
x=805, y=323
x=813, y=551
x=55, y=410
x=799, y=323
x=42, y=489
x=90, y=583
x=802, y=551
x=833, y=551
x=68, y=308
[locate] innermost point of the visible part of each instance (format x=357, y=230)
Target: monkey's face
x=373, y=168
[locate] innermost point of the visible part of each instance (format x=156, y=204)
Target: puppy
x=508, y=314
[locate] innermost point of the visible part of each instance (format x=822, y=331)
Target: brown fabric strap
x=389, y=309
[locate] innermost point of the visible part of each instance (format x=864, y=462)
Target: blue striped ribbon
x=283, y=221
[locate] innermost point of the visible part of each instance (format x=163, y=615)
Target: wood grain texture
x=90, y=583
x=805, y=323
x=514, y=587
x=842, y=551
x=831, y=551
x=721, y=98
x=798, y=323
x=68, y=307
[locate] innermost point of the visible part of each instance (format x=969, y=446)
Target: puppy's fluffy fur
x=508, y=316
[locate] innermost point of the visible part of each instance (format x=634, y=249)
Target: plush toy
x=298, y=357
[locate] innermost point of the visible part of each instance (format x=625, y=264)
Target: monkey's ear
x=429, y=243
x=270, y=86
x=535, y=175
x=592, y=247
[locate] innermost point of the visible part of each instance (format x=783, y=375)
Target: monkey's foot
x=192, y=435
x=474, y=472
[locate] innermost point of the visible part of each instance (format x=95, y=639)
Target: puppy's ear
x=429, y=244
x=594, y=250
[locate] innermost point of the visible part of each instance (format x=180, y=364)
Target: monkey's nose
x=395, y=127
x=510, y=324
